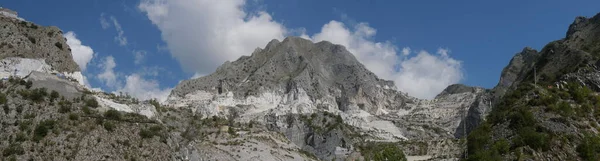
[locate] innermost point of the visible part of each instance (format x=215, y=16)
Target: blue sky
x=465, y=42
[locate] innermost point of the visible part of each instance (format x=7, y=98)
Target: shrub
x=21, y=137
x=27, y=84
x=112, y=114
x=91, y=103
x=19, y=108
x=150, y=132
x=73, y=116
x=54, y=95
x=502, y=146
x=589, y=148
x=6, y=109
x=521, y=118
x=155, y=103
x=58, y=45
x=64, y=106
x=536, y=140
x=38, y=95
x=145, y=133
x=13, y=149
x=565, y=109
x=3, y=99
x=86, y=110
x=383, y=152
x=109, y=126
x=41, y=130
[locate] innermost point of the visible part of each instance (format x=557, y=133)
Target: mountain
x=299, y=100
x=548, y=107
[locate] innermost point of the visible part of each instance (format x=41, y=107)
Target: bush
x=536, y=140
x=64, y=106
x=13, y=149
x=54, y=95
x=565, y=109
x=21, y=137
x=112, y=114
x=38, y=95
x=27, y=84
x=479, y=138
x=6, y=109
x=383, y=152
x=91, y=103
x=589, y=148
x=109, y=126
x=86, y=110
x=3, y=99
x=19, y=108
x=521, y=118
x=41, y=130
x=502, y=146
x=151, y=132
x=73, y=116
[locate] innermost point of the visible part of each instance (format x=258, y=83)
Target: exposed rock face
x=328, y=73
x=549, y=95
x=19, y=38
x=520, y=63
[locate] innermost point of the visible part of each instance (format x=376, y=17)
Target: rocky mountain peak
x=19, y=38
x=321, y=70
x=456, y=89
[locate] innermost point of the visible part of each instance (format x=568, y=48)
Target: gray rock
x=27, y=40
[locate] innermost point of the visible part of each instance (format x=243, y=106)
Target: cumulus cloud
x=223, y=30
x=143, y=89
x=423, y=75
x=219, y=30
x=81, y=54
x=108, y=75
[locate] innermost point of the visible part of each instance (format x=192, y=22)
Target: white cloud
x=138, y=56
x=120, y=38
x=202, y=34
x=108, y=75
x=405, y=51
x=423, y=76
x=103, y=22
x=143, y=89
x=81, y=54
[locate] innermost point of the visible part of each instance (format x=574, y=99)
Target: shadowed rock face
x=27, y=40
x=321, y=69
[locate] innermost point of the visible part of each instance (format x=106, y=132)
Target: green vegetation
x=382, y=152
x=13, y=149
x=157, y=105
x=41, y=130
x=3, y=99
x=91, y=103
x=112, y=115
x=54, y=95
x=518, y=108
x=64, y=106
x=109, y=126
x=73, y=116
x=589, y=149
x=151, y=132
x=6, y=109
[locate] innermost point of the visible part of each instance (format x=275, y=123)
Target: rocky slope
x=24, y=39
x=288, y=83
x=550, y=113
x=299, y=100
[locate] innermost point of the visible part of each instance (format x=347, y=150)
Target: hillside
x=550, y=109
